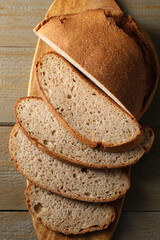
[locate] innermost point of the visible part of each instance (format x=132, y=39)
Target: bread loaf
x=111, y=49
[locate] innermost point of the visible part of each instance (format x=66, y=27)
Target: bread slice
x=45, y=132
x=65, y=179
x=66, y=215
x=111, y=49
x=87, y=113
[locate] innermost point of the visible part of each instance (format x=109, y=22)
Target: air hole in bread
x=15, y=134
x=39, y=160
x=45, y=142
x=53, y=132
x=95, y=226
x=38, y=207
x=87, y=194
x=69, y=96
x=49, y=193
x=72, y=88
x=84, y=170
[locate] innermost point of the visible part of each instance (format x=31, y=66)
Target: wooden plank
x=17, y=20
x=144, y=194
x=138, y=226
x=12, y=184
x=18, y=226
x=15, y=66
x=152, y=116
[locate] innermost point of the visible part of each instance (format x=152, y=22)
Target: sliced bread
x=111, y=49
x=45, y=132
x=86, y=112
x=65, y=215
x=65, y=179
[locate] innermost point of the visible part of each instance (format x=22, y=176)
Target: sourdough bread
x=62, y=178
x=113, y=51
x=87, y=113
x=45, y=132
x=65, y=215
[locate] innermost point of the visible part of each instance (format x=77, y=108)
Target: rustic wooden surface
x=141, y=215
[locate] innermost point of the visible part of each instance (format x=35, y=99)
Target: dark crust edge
x=92, y=144
x=148, y=41
x=61, y=157
x=86, y=199
x=90, y=229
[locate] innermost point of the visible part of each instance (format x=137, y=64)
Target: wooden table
x=140, y=219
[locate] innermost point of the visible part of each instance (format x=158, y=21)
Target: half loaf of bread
x=66, y=215
x=45, y=132
x=62, y=178
x=111, y=49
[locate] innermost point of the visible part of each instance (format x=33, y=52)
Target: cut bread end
x=65, y=215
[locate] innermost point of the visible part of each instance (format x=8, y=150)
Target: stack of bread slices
x=71, y=145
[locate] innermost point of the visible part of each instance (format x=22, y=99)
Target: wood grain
x=144, y=193
x=16, y=226
x=12, y=184
x=17, y=19
x=138, y=226
x=14, y=74
x=132, y=226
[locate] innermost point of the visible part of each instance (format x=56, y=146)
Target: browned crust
x=46, y=20
x=61, y=157
x=151, y=132
x=90, y=143
x=86, y=199
x=154, y=57
x=141, y=34
x=91, y=229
